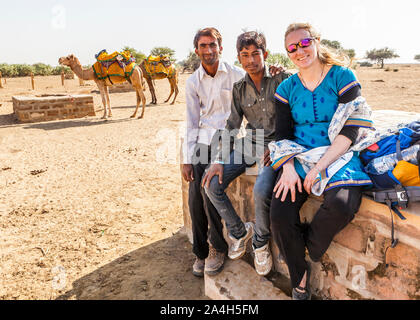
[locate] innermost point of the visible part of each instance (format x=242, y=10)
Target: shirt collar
x=220, y=68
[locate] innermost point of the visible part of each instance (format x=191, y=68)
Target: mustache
x=251, y=65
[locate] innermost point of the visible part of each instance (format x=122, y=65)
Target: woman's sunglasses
x=302, y=43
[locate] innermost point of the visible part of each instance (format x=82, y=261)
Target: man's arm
x=190, y=139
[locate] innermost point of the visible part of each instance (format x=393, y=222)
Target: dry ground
x=88, y=210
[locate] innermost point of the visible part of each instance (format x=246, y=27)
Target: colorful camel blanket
x=159, y=64
x=117, y=67
x=355, y=113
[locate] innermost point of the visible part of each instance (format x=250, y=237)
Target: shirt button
x=263, y=109
x=262, y=99
x=249, y=105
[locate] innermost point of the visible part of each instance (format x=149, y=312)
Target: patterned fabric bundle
x=117, y=67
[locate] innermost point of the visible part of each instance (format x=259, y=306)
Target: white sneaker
x=263, y=261
x=238, y=247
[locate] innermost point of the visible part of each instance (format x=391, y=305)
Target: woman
x=313, y=95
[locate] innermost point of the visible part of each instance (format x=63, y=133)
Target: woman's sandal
x=306, y=292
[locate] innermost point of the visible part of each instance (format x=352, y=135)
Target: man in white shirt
x=208, y=96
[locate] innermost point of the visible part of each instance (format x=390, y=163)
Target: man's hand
x=266, y=158
x=187, y=172
x=276, y=69
x=216, y=169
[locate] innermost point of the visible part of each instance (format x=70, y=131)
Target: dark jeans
x=291, y=236
x=206, y=222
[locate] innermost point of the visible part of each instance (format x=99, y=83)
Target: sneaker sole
x=214, y=272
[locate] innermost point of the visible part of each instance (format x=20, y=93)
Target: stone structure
x=52, y=107
x=354, y=266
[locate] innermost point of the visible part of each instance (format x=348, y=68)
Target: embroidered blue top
x=312, y=112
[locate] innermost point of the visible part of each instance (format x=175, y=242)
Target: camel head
x=67, y=61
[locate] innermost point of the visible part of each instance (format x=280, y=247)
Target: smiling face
x=252, y=59
x=303, y=58
x=208, y=50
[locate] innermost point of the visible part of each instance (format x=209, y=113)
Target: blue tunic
x=312, y=112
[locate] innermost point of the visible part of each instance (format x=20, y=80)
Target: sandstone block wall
x=47, y=108
x=354, y=266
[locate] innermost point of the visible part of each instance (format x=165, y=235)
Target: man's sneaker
x=214, y=262
x=198, y=268
x=238, y=247
x=263, y=261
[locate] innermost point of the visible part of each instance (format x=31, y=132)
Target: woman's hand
x=310, y=179
x=288, y=181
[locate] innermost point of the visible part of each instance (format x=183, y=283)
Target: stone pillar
x=1, y=85
x=62, y=78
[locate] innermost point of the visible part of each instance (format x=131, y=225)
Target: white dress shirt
x=208, y=104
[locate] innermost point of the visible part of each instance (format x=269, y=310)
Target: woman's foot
x=303, y=291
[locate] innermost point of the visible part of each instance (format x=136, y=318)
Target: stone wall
x=353, y=267
x=47, y=108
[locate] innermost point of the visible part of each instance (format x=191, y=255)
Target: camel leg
x=140, y=94
x=108, y=101
x=137, y=103
x=176, y=89
x=152, y=90
x=172, y=90
x=102, y=92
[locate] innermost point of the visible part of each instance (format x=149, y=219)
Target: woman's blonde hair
x=325, y=54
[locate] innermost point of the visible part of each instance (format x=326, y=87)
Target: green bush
x=365, y=64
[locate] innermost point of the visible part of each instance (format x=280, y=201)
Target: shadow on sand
x=159, y=271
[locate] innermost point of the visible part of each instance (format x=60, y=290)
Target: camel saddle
x=159, y=64
x=114, y=68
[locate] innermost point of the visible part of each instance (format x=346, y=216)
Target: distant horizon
x=42, y=32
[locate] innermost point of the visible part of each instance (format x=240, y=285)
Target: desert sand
x=92, y=209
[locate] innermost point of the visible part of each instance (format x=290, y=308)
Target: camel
x=88, y=74
x=173, y=81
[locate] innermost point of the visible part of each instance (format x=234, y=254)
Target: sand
x=89, y=209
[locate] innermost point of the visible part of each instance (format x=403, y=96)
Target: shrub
x=365, y=64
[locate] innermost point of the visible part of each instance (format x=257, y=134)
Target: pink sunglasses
x=302, y=43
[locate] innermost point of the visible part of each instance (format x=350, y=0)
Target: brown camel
x=173, y=80
x=88, y=74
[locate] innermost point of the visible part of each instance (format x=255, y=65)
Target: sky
x=44, y=30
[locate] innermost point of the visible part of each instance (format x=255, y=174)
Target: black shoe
x=306, y=294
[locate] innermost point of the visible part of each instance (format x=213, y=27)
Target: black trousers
x=206, y=221
x=291, y=236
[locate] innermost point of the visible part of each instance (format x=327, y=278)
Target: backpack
x=393, y=166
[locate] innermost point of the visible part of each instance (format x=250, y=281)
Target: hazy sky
x=44, y=30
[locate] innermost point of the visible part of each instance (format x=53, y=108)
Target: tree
x=380, y=55
x=138, y=55
x=156, y=51
x=278, y=58
x=332, y=44
x=336, y=45
x=417, y=57
x=192, y=62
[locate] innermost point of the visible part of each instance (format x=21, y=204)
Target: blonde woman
x=313, y=95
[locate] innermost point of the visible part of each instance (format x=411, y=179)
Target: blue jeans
x=263, y=190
